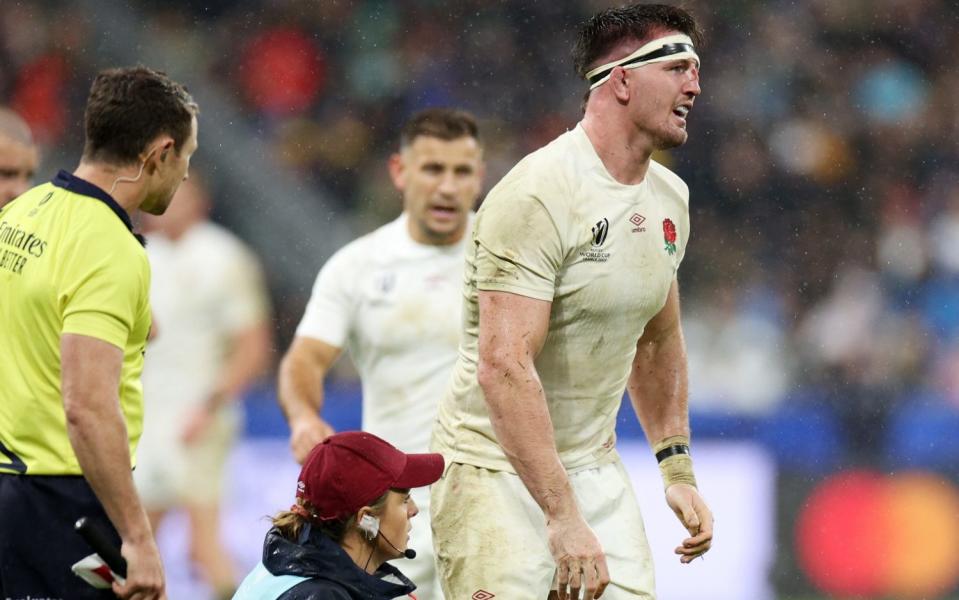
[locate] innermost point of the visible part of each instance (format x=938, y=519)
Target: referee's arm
x=90, y=381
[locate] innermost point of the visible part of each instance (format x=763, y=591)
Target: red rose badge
x=669, y=234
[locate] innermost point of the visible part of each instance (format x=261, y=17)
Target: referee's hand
x=144, y=571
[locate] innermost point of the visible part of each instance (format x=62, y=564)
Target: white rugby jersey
x=206, y=287
x=558, y=227
x=395, y=305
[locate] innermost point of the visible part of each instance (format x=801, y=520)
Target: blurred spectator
x=739, y=352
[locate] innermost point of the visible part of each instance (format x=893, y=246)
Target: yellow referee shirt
x=69, y=263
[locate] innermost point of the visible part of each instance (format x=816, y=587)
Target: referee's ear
x=397, y=170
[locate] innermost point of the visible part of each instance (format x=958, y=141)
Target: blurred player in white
x=393, y=299
x=211, y=314
x=18, y=156
x=572, y=298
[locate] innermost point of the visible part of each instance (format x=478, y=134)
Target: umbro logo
x=637, y=220
x=482, y=595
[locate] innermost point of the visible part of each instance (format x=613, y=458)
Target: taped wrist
x=675, y=463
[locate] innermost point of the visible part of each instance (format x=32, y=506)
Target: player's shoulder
x=544, y=174
x=218, y=239
x=216, y=233
x=663, y=177
x=370, y=246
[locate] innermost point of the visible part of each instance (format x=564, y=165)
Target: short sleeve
x=102, y=298
x=518, y=248
x=329, y=312
x=684, y=229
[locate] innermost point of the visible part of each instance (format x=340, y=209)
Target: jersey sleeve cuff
x=96, y=326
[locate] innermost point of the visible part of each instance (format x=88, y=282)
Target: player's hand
x=306, y=433
x=144, y=571
x=198, y=422
x=695, y=516
x=580, y=560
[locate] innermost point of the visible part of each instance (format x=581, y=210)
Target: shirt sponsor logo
x=482, y=595
x=17, y=246
x=637, y=220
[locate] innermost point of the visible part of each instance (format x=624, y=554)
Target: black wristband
x=671, y=451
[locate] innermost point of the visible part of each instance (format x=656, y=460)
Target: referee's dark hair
x=443, y=123
x=601, y=32
x=128, y=108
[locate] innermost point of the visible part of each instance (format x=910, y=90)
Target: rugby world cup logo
x=600, y=231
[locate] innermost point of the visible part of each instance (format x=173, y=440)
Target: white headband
x=671, y=47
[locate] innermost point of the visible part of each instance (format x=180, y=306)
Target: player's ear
x=397, y=171
x=619, y=81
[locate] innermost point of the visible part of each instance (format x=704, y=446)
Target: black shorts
x=37, y=541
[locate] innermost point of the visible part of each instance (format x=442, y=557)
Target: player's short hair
x=443, y=123
x=601, y=32
x=128, y=108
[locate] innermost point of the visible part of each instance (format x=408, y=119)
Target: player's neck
x=420, y=235
x=128, y=195
x=175, y=233
x=624, y=152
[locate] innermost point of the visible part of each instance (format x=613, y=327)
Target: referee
x=74, y=320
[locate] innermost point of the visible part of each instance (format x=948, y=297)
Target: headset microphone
x=408, y=553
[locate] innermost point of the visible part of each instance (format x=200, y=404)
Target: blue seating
x=805, y=434
x=342, y=408
x=923, y=432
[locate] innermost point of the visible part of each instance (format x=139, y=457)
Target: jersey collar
x=72, y=183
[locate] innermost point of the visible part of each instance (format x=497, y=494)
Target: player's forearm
x=98, y=435
x=300, y=388
x=521, y=421
x=249, y=358
x=658, y=386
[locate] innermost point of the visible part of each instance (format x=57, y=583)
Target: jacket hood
x=317, y=556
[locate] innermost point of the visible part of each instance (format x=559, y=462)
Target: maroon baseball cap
x=349, y=470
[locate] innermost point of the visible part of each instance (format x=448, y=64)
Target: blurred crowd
x=823, y=159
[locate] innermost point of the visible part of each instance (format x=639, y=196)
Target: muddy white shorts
x=490, y=536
